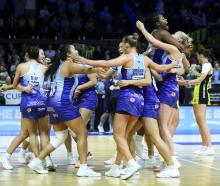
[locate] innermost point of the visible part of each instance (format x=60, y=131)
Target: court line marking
x=200, y=164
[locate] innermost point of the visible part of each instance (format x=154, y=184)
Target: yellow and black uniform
x=201, y=90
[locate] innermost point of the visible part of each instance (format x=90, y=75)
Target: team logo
x=173, y=94
x=132, y=100
x=29, y=110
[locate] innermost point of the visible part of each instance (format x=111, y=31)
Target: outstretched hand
x=100, y=72
x=80, y=60
x=140, y=25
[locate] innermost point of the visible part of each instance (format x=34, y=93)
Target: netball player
x=130, y=103
x=62, y=81
x=201, y=99
x=29, y=80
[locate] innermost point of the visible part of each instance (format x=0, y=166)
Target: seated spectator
x=105, y=15
x=50, y=53
x=3, y=74
x=216, y=74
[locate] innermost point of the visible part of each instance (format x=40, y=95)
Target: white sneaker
x=29, y=157
x=21, y=157
x=49, y=164
x=6, y=163
x=123, y=171
x=169, y=172
x=87, y=172
x=205, y=151
x=176, y=163
x=149, y=163
x=131, y=170
x=100, y=129
x=111, y=161
x=71, y=160
x=114, y=171
x=37, y=167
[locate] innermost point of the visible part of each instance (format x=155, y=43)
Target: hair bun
x=135, y=36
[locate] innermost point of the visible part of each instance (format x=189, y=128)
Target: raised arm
x=168, y=38
x=119, y=61
x=156, y=43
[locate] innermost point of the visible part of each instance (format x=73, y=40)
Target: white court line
x=200, y=164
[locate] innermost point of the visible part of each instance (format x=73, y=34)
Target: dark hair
x=142, y=43
x=207, y=54
x=151, y=21
x=33, y=52
x=131, y=39
x=61, y=55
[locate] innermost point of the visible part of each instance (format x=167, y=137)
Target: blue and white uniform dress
x=168, y=91
x=151, y=101
x=33, y=105
x=131, y=100
x=60, y=105
x=88, y=97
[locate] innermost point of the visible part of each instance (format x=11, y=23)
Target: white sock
x=116, y=166
x=38, y=161
x=7, y=155
x=139, y=138
x=101, y=124
x=131, y=162
x=69, y=154
x=83, y=166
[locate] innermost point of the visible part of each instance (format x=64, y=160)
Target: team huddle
x=144, y=88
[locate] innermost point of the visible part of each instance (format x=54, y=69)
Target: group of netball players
x=144, y=89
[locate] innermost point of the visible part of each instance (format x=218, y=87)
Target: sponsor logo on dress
x=173, y=94
x=132, y=100
x=29, y=110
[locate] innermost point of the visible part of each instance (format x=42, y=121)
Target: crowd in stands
x=80, y=19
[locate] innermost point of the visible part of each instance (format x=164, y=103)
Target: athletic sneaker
x=6, y=163
x=205, y=151
x=100, y=129
x=131, y=170
x=114, y=171
x=111, y=161
x=21, y=157
x=87, y=172
x=37, y=166
x=29, y=157
x=169, y=172
x=149, y=163
x=176, y=163
x=49, y=164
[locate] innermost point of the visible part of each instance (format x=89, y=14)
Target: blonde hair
x=184, y=38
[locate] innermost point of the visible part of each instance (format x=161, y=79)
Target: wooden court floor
x=195, y=171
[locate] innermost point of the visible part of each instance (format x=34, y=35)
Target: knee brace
x=60, y=138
